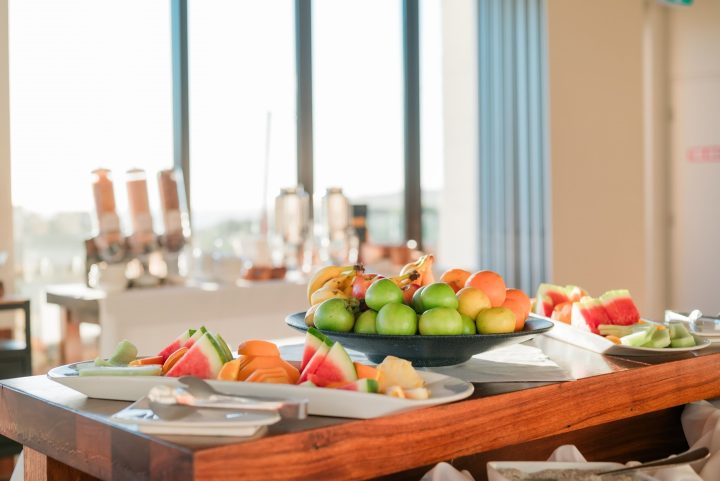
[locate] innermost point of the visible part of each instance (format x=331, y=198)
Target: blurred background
x=549, y=140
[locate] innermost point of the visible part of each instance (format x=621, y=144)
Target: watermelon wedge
x=313, y=340
x=588, y=314
x=336, y=367
x=361, y=385
x=176, y=344
x=314, y=361
x=204, y=359
x=548, y=296
x=620, y=307
x=575, y=293
x=196, y=335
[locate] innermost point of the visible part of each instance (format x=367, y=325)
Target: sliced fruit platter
x=609, y=324
x=333, y=384
x=412, y=316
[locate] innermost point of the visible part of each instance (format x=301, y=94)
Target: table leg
x=39, y=467
x=70, y=343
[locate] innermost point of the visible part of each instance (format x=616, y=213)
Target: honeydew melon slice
x=659, y=339
x=204, y=359
x=124, y=353
x=687, y=341
x=148, y=370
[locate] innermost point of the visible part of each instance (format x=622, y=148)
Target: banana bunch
x=328, y=283
x=423, y=266
x=331, y=278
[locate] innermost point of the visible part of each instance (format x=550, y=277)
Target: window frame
x=304, y=103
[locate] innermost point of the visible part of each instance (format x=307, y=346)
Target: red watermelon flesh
x=314, y=362
x=204, y=360
x=336, y=367
x=543, y=306
x=620, y=307
x=176, y=344
x=588, y=314
x=313, y=340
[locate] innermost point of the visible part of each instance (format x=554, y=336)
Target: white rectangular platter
x=321, y=401
x=595, y=343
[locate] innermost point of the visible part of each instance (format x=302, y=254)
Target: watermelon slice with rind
x=176, y=344
x=314, y=361
x=204, y=359
x=548, y=296
x=361, y=385
x=336, y=367
x=587, y=314
x=620, y=307
x=313, y=340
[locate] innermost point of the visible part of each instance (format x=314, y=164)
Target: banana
x=324, y=294
x=310, y=316
x=325, y=274
x=423, y=266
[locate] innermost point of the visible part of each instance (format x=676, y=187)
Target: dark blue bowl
x=426, y=351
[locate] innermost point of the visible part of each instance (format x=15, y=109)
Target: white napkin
x=701, y=424
x=516, y=363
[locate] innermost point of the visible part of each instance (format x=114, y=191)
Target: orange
x=455, y=278
x=519, y=309
x=519, y=295
x=491, y=283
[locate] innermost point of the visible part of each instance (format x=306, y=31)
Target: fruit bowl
x=426, y=351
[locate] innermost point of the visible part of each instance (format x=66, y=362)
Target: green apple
x=468, y=325
x=438, y=294
x=495, y=320
x=417, y=301
x=471, y=301
x=441, y=321
x=365, y=323
x=396, y=319
x=334, y=315
x=381, y=292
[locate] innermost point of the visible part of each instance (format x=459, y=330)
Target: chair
x=15, y=360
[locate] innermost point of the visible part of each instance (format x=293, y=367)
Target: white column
x=6, y=218
x=459, y=204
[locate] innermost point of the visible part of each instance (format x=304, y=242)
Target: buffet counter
x=618, y=409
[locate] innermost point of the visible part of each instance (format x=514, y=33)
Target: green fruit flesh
x=687, y=341
x=659, y=339
x=150, y=370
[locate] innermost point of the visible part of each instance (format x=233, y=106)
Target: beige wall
x=695, y=84
x=5, y=199
x=600, y=211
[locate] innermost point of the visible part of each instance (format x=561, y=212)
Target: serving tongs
x=177, y=402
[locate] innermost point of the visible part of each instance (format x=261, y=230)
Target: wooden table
x=618, y=409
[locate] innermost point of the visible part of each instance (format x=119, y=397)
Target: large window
x=242, y=114
x=358, y=108
x=84, y=93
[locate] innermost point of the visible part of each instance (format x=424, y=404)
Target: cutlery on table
x=174, y=403
x=684, y=458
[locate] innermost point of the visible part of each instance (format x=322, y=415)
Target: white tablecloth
x=151, y=318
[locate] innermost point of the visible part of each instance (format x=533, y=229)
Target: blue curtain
x=514, y=191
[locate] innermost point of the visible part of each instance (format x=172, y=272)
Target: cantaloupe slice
x=257, y=347
x=275, y=375
x=365, y=371
x=230, y=370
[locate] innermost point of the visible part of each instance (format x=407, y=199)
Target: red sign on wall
x=703, y=154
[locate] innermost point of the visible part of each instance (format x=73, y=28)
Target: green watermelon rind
x=341, y=362
x=225, y=347
x=208, y=346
